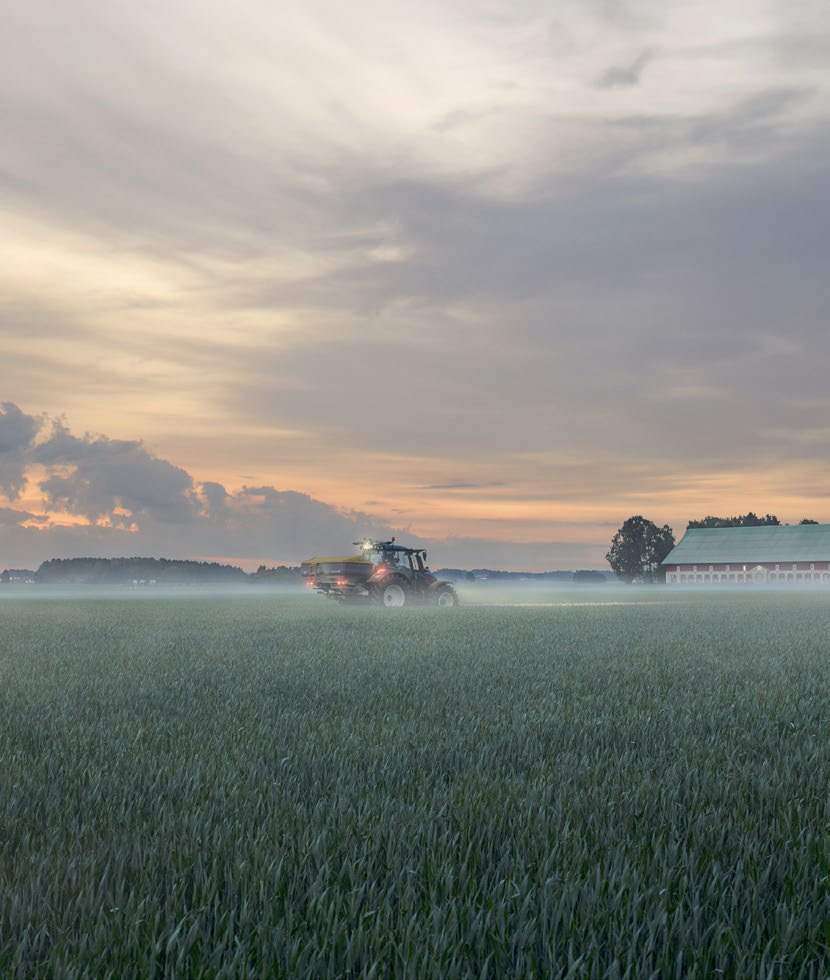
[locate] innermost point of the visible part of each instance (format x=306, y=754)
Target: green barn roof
x=777, y=542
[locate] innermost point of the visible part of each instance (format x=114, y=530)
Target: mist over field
x=494, y=592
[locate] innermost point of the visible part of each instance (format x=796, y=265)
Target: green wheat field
x=597, y=783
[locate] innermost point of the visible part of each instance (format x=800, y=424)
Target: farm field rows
x=632, y=785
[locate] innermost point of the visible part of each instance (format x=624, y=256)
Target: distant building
x=774, y=554
x=20, y=575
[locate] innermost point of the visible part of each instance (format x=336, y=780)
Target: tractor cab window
x=401, y=559
x=393, y=559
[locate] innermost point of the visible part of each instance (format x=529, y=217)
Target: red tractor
x=384, y=572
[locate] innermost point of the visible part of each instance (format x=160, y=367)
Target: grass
x=257, y=786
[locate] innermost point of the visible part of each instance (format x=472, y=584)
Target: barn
x=774, y=554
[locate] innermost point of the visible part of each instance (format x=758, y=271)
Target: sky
x=493, y=276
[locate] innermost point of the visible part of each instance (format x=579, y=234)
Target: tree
x=807, y=520
x=746, y=520
x=638, y=548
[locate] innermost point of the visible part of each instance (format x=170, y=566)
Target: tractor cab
x=410, y=562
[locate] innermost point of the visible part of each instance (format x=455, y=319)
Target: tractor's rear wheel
x=393, y=594
x=445, y=595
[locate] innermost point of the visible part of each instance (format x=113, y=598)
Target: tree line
x=639, y=547
x=161, y=571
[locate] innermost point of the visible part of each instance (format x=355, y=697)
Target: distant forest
x=166, y=571
x=746, y=520
x=155, y=571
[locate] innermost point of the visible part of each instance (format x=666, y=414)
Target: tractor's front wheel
x=393, y=594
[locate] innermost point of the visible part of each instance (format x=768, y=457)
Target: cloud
x=623, y=76
x=226, y=113
x=357, y=252
x=216, y=502
x=17, y=432
x=604, y=318
x=460, y=485
x=12, y=517
x=132, y=502
x=116, y=478
x=253, y=519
